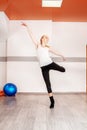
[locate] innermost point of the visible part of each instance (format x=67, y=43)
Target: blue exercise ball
x=10, y=89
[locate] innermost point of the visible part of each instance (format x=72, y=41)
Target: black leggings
x=45, y=73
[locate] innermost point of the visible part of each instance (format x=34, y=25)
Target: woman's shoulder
x=48, y=46
x=39, y=46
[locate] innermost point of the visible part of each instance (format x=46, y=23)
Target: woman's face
x=44, y=39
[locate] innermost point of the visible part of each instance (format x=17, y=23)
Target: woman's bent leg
x=55, y=66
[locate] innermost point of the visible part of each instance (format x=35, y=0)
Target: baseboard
x=44, y=93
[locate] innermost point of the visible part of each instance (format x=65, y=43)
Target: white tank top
x=43, y=56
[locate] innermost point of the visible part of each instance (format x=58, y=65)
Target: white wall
x=26, y=75
x=70, y=39
x=67, y=37
x=3, y=38
x=2, y=64
x=4, y=22
x=19, y=42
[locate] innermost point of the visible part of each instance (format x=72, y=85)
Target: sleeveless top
x=43, y=56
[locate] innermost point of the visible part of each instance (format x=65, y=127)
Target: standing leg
x=45, y=73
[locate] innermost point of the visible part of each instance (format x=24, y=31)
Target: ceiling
x=71, y=10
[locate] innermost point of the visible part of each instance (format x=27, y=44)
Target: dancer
x=45, y=61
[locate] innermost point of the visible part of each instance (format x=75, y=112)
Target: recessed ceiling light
x=52, y=3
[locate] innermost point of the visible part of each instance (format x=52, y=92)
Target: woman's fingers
x=23, y=24
x=64, y=59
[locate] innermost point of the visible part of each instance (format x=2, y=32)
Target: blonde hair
x=46, y=38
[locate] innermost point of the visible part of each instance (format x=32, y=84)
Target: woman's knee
x=49, y=89
x=63, y=69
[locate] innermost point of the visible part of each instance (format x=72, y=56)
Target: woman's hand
x=30, y=33
x=24, y=24
x=64, y=59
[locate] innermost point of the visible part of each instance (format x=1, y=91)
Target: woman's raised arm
x=30, y=34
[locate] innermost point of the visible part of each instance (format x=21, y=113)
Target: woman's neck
x=43, y=44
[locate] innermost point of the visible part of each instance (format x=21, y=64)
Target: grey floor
x=31, y=112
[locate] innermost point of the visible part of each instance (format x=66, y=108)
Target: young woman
x=45, y=61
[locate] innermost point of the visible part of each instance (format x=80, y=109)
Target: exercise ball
x=10, y=89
